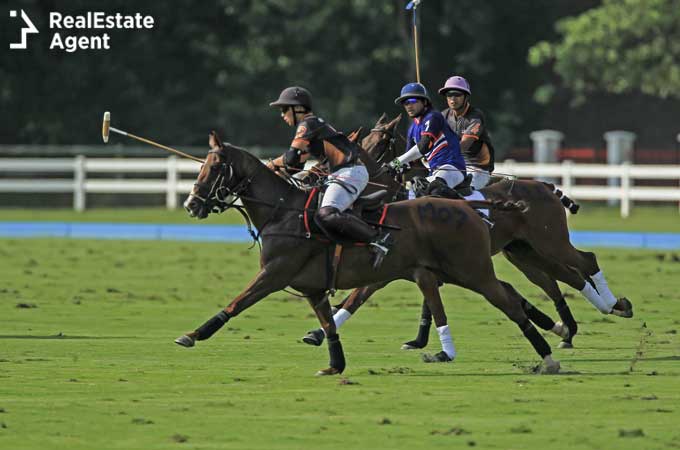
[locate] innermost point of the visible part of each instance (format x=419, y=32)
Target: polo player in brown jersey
x=470, y=124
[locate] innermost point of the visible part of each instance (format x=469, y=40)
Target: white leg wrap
x=603, y=289
x=593, y=297
x=447, y=341
x=341, y=316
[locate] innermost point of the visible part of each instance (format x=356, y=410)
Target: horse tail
x=508, y=205
x=568, y=203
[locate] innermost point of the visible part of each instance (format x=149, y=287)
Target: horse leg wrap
x=537, y=316
x=537, y=341
x=337, y=355
x=211, y=326
x=424, y=331
x=567, y=318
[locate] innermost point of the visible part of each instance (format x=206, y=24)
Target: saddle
x=438, y=188
x=370, y=208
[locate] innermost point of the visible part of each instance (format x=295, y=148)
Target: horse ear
x=395, y=122
x=214, y=140
x=354, y=135
x=382, y=120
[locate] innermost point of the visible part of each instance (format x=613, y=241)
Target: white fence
x=80, y=167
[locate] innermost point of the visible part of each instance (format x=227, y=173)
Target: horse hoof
x=623, y=308
x=565, y=344
x=314, y=337
x=436, y=358
x=185, y=341
x=329, y=371
x=550, y=369
x=412, y=345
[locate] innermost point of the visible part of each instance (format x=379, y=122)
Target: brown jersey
x=472, y=125
x=320, y=140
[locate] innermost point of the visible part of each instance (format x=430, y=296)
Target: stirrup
x=380, y=248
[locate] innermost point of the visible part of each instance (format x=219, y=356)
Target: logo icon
x=29, y=28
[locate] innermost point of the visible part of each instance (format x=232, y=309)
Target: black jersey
x=472, y=125
x=320, y=140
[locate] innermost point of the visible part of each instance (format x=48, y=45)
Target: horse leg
x=267, y=281
x=522, y=256
x=429, y=285
x=423, y=330
x=349, y=306
x=621, y=307
x=594, y=289
x=536, y=315
x=510, y=303
x=322, y=308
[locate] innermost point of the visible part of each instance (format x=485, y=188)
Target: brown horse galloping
x=537, y=243
x=438, y=239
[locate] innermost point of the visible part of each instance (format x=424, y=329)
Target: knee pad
x=437, y=186
x=327, y=216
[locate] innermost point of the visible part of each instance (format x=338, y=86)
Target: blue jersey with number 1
x=444, y=147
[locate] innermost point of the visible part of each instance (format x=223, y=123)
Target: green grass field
x=591, y=217
x=87, y=359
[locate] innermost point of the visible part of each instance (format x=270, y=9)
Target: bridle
x=389, y=147
x=218, y=196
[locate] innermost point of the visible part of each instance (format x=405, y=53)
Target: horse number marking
x=441, y=214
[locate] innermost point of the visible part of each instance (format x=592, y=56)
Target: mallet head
x=106, y=123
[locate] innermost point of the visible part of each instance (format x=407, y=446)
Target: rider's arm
x=473, y=132
x=417, y=151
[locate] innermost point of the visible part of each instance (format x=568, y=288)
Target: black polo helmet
x=294, y=96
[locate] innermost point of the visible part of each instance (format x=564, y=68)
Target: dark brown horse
x=537, y=243
x=289, y=258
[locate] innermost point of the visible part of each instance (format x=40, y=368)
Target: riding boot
x=439, y=188
x=359, y=230
x=354, y=228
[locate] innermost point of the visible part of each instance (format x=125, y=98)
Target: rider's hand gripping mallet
x=106, y=128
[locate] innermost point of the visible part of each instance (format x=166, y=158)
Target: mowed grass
x=592, y=216
x=87, y=360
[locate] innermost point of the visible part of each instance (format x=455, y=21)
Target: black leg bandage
x=537, y=341
x=567, y=318
x=537, y=316
x=211, y=326
x=337, y=355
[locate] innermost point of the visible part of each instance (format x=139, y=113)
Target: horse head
x=380, y=143
x=218, y=184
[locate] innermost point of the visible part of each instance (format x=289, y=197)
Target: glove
x=395, y=166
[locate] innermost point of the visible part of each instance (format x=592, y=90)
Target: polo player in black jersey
x=348, y=176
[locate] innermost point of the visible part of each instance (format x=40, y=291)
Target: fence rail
x=621, y=178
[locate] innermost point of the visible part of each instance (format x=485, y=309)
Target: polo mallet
x=413, y=4
x=106, y=128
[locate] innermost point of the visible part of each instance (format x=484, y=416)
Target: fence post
x=79, y=179
x=509, y=167
x=625, y=189
x=546, y=144
x=567, y=176
x=619, y=150
x=171, y=189
x=676, y=150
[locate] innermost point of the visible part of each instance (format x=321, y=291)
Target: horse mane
x=252, y=163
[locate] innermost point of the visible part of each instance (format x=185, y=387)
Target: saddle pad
x=476, y=195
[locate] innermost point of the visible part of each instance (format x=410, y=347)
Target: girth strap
x=305, y=213
x=335, y=264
